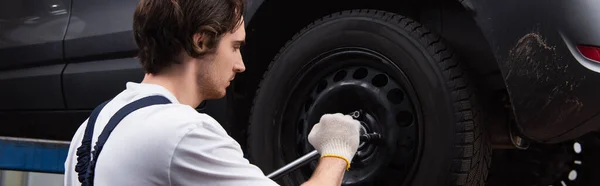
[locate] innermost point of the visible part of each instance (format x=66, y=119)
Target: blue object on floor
x=33, y=155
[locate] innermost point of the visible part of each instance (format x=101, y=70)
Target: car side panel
x=31, y=57
x=100, y=51
x=36, y=88
x=100, y=80
x=100, y=29
x=553, y=90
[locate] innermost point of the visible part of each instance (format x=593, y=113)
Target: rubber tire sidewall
x=437, y=118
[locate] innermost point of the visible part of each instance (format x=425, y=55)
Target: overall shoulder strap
x=83, y=151
x=110, y=126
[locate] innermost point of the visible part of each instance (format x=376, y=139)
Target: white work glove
x=336, y=135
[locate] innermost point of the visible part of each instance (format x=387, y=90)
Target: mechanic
x=190, y=52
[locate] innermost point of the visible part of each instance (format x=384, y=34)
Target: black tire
x=451, y=147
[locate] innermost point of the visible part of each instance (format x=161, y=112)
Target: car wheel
x=404, y=80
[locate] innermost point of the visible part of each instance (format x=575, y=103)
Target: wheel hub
x=363, y=130
x=366, y=150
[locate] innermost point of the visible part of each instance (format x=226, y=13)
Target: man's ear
x=200, y=42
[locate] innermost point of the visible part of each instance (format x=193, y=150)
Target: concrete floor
x=18, y=178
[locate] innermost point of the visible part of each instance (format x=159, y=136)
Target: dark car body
x=61, y=58
x=552, y=87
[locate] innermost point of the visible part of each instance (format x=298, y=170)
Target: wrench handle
x=312, y=156
x=294, y=165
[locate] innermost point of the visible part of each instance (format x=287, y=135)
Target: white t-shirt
x=169, y=144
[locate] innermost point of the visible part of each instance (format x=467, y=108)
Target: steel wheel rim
x=346, y=73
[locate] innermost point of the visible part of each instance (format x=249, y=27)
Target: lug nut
x=370, y=137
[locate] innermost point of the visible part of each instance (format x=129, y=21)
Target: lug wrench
x=364, y=138
x=312, y=156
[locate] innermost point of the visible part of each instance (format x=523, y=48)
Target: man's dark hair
x=163, y=28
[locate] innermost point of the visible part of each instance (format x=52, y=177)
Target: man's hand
x=336, y=138
x=336, y=135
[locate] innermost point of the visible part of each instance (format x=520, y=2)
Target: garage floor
x=18, y=178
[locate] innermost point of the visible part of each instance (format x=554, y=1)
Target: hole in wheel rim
x=380, y=80
x=360, y=73
x=339, y=76
x=404, y=118
x=395, y=96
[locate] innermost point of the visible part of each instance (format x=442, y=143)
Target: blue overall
x=85, y=163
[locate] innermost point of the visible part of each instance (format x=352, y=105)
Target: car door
x=31, y=57
x=100, y=52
